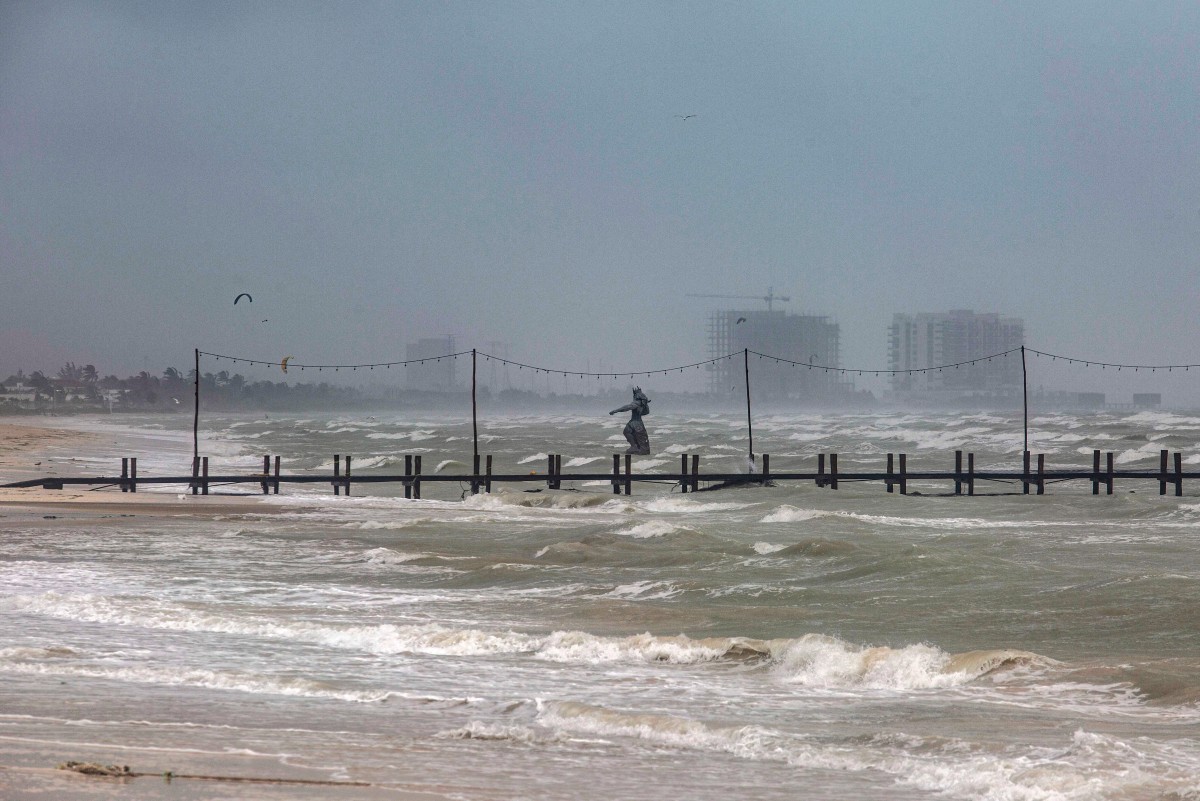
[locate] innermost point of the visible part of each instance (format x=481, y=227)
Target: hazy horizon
x=558, y=179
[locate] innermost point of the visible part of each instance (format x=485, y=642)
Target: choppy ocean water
x=778, y=641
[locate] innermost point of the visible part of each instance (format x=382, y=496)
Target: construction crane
x=770, y=297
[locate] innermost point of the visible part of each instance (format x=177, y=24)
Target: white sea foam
x=791, y=514
x=386, y=556
x=653, y=528
x=679, y=505
x=411, y=436
x=645, y=591
x=387, y=525
x=1086, y=765
x=580, y=461
x=537, y=457
x=765, y=548
x=258, y=683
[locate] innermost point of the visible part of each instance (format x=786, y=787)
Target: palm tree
x=89, y=374
x=69, y=372
x=172, y=374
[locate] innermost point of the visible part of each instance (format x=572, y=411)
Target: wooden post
x=1041, y=479
x=1162, y=472
x=1109, y=479
x=1178, y=474
x=276, y=487
x=558, y=471
x=1096, y=472
x=628, y=471
x=475, y=476
x=195, y=475
x=616, y=479
x=695, y=472
x=337, y=472
x=749, y=425
x=550, y=471
x=124, y=474
x=408, y=487
x=487, y=482
x=416, y=484
x=890, y=472
x=833, y=471
x=1025, y=472
x=204, y=475
x=196, y=411
x=133, y=474
x=347, y=482
x=820, y=470
x=903, y=474
x=766, y=469
x=266, y=472
x=683, y=476
x=970, y=474
x=1025, y=396
x=958, y=472
x=474, y=422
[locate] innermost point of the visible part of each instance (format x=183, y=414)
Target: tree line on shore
x=82, y=388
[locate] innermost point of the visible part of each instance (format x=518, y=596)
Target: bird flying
x=685, y=116
x=740, y=320
x=243, y=295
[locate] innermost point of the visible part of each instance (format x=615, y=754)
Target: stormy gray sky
x=519, y=172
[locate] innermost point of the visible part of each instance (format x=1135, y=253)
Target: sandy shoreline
x=31, y=449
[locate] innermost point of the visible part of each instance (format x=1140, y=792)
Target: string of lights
x=335, y=367
x=586, y=374
x=864, y=371
x=1105, y=365
x=537, y=369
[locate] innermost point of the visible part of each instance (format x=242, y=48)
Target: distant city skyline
x=376, y=174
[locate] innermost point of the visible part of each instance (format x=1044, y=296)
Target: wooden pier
x=1032, y=477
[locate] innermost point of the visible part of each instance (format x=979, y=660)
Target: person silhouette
x=635, y=430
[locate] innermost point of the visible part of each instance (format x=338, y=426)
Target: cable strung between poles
x=1104, y=365
x=585, y=373
x=370, y=365
x=694, y=365
x=862, y=371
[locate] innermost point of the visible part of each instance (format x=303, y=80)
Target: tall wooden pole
x=1025, y=391
x=196, y=411
x=749, y=425
x=474, y=412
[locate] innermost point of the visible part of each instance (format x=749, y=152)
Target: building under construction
x=798, y=337
x=918, y=341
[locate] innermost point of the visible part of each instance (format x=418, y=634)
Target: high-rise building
x=797, y=337
x=919, y=341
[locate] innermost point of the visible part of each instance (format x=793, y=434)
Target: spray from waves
x=411, y=436
x=790, y=514
x=811, y=547
x=820, y=661
x=814, y=660
x=386, y=556
x=678, y=505
x=508, y=499
x=651, y=529
x=930, y=763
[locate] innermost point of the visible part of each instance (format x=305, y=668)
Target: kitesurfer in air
x=635, y=431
